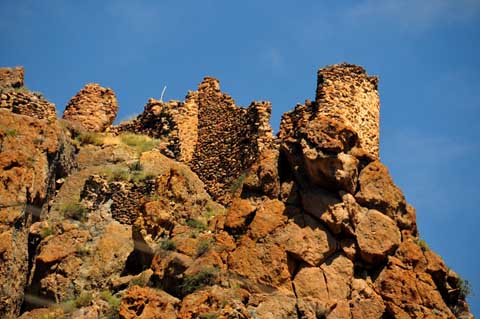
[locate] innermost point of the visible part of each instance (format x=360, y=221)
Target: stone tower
x=345, y=92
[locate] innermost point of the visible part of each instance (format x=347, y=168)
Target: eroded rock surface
x=210, y=216
x=93, y=107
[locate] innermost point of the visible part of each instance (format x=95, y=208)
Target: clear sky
x=426, y=54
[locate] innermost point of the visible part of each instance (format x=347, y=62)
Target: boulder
x=377, y=236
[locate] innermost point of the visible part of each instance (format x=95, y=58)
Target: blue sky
x=425, y=53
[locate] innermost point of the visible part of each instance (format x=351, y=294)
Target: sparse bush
x=117, y=174
x=83, y=300
x=47, y=231
x=11, y=132
x=90, y=138
x=196, y=224
x=209, y=315
x=168, y=244
x=238, y=183
x=422, y=244
x=83, y=250
x=113, y=302
x=135, y=167
x=464, y=287
x=141, y=143
x=74, y=211
x=203, y=246
x=205, y=277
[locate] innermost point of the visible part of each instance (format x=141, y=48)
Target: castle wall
x=345, y=92
x=229, y=137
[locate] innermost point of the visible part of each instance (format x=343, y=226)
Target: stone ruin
x=15, y=97
x=217, y=139
x=93, y=107
x=345, y=92
x=220, y=140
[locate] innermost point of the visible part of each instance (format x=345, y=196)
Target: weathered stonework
x=18, y=99
x=216, y=138
x=93, y=107
x=27, y=103
x=11, y=77
x=346, y=93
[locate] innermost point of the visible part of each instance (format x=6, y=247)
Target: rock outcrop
x=194, y=210
x=93, y=107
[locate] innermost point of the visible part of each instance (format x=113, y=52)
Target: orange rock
x=93, y=107
x=377, y=236
x=148, y=303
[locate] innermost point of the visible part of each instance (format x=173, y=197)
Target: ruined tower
x=346, y=93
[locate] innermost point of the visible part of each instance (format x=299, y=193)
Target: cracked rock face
x=314, y=228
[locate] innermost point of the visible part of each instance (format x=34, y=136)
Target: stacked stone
x=93, y=107
x=18, y=99
x=260, y=113
x=216, y=138
x=11, y=77
x=28, y=103
x=227, y=138
x=346, y=93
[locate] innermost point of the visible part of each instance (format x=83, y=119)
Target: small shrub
x=422, y=244
x=196, y=224
x=83, y=250
x=238, y=183
x=465, y=288
x=168, y=244
x=11, y=132
x=135, y=167
x=141, y=176
x=117, y=174
x=83, y=300
x=90, y=138
x=47, y=231
x=205, y=277
x=74, y=211
x=203, y=247
x=113, y=302
x=141, y=143
x=209, y=315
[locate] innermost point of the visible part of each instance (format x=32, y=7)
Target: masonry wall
x=216, y=138
x=230, y=138
x=345, y=92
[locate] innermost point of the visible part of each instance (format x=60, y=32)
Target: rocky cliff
x=195, y=210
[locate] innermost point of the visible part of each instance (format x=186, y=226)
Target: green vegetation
x=89, y=138
x=142, y=143
x=168, y=244
x=203, y=246
x=47, y=231
x=83, y=300
x=134, y=172
x=196, y=224
x=465, y=288
x=74, y=211
x=238, y=183
x=205, y=277
x=11, y=132
x=113, y=302
x=209, y=315
x=83, y=250
x=422, y=244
